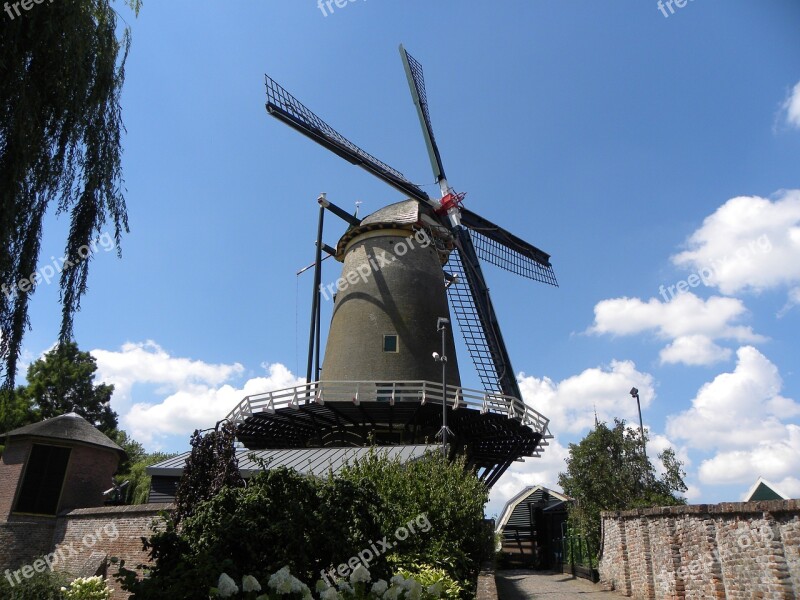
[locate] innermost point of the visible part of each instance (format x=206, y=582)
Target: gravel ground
x=526, y=585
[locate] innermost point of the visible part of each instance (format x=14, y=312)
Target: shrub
x=42, y=586
x=284, y=519
x=431, y=577
x=280, y=519
x=452, y=498
x=87, y=588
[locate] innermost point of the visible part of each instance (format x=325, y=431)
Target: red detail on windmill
x=451, y=200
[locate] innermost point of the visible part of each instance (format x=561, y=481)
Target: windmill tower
x=401, y=264
x=382, y=326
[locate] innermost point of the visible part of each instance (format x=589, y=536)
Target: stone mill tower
x=388, y=300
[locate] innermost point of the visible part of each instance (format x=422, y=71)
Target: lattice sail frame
x=507, y=258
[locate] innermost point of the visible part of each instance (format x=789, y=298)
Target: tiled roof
x=309, y=461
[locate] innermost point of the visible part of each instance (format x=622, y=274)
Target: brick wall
x=81, y=541
x=487, y=587
x=732, y=550
x=23, y=539
x=89, y=474
x=12, y=464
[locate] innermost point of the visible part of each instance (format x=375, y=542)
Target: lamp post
x=441, y=325
x=635, y=393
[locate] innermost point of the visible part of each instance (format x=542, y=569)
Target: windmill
x=378, y=379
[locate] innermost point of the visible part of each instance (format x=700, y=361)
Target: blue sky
x=639, y=150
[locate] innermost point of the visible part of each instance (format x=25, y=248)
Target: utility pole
x=635, y=394
x=441, y=325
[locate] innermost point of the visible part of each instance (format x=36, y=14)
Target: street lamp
x=635, y=394
x=441, y=325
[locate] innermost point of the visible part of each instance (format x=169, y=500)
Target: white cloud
x=149, y=363
x=792, y=301
x=747, y=244
x=197, y=406
x=739, y=417
x=685, y=315
x=694, y=350
x=693, y=493
x=191, y=394
x=790, y=486
x=792, y=107
x=771, y=459
x=571, y=403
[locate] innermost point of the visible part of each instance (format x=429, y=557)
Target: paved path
x=523, y=584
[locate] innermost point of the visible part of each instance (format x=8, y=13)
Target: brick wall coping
x=487, y=587
x=128, y=509
x=771, y=506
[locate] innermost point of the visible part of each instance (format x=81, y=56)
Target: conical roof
x=405, y=212
x=70, y=427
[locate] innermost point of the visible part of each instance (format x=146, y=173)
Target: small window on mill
x=390, y=343
x=44, y=478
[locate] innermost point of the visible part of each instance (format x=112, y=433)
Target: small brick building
x=55, y=465
x=47, y=469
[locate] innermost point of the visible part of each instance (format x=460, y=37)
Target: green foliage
x=138, y=490
x=607, y=470
x=61, y=75
x=16, y=410
x=211, y=466
x=428, y=576
x=450, y=496
x=63, y=381
x=88, y=588
x=134, y=451
x=281, y=518
x=41, y=586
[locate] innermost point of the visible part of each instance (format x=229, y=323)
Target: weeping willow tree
x=62, y=66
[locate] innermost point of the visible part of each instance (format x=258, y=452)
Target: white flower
x=414, y=590
x=250, y=584
x=397, y=580
x=409, y=584
x=379, y=587
x=393, y=593
x=344, y=586
x=330, y=594
x=360, y=573
x=281, y=581
x=435, y=590
x=227, y=587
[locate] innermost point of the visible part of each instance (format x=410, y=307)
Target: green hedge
x=428, y=513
